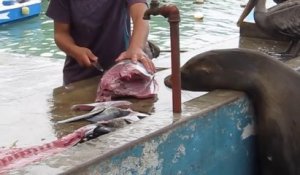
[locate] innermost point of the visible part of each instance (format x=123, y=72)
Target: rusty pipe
x=171, y=12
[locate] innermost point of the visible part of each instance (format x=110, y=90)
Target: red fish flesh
x=126, y=79
x=12, y=158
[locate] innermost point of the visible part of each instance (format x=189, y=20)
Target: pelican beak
x=250, y=5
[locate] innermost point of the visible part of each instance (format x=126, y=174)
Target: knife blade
x=98, y=66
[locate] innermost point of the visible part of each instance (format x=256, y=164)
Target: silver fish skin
x=109, y=114
x=83, y=116
x=91, y=106
x=123, y=121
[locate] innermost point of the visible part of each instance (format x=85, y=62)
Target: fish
x=11, y=158
x=94, y=109
x=90, y=106
x=109, y=114
x=113, y=113
x=121, y=122
x=126, y=79
x=105, y=114
x=83, y=116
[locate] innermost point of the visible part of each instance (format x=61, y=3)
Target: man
x=98, y=32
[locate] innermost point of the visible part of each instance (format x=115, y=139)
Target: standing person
x=98, y=32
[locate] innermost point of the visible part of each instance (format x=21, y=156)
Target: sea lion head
x=216, y=69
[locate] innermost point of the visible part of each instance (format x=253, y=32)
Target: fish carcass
x=100, y=114
x=94, y=106
x=106, y=114
x=12, y=158
x=126, y=79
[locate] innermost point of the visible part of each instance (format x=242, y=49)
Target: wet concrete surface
x=26, y=85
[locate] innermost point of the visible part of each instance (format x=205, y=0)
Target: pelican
x=280, y=1
x=282, y=19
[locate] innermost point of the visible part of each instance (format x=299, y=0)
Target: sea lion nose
x=168, y=81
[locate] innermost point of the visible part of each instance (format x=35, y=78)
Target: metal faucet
x=171, y=12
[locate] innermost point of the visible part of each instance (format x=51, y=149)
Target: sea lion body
x=274, y=89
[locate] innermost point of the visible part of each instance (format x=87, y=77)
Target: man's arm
x=138, y=38
x=65, y=42
x=140, y=26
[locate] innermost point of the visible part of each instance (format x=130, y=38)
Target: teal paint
x=138, y=150
x=213, y=144
x=218, y=142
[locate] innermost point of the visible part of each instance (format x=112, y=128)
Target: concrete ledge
x=249, y=29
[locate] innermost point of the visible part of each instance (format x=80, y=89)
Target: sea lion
x=273, y=88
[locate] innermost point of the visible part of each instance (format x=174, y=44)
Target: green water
x=34, y=36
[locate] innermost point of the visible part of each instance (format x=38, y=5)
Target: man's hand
x=138, y=55
x=65, y=42
x=84, y=56
x=138, y=38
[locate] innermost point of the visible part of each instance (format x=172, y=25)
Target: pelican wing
x=285, y=18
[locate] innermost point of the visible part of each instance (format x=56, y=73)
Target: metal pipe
x=171, y=12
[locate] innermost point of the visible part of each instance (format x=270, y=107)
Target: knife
x=98, y=66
